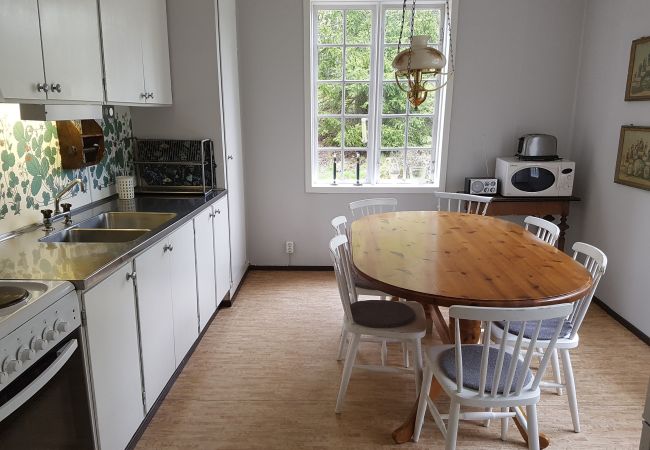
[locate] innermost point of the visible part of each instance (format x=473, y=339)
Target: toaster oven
x=535, y=178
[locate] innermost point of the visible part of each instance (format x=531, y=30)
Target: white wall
x=516, y=66
x=613, y=217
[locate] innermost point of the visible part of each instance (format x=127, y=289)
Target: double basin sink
x=111, y=227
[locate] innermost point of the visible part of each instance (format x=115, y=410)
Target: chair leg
x=504, y=425
x=405, y=354
x=384, y=352
x=555, y=362
x=422, y=403
x=342, y=342
x=571, y=389
x=347, y=371
x=486, y=422
x=417, y=363
x=533, y=433
x=452, y=425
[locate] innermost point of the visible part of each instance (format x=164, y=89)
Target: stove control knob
x=4, y=377
x=50, y=335
x=11, y=365
x=61, y=326
x=38, y=344
x=26, y=354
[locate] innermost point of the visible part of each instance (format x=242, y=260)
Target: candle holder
x=334, y=172
x=358, y=183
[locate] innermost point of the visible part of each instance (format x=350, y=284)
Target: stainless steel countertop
x=23, y=257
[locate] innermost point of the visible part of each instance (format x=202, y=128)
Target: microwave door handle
x=23, y=396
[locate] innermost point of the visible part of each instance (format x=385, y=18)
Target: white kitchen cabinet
x=50, y=50
x=20, y=51
x=222, y=248
x=183, y=292
x=136, y=51
x=71, y=50
x=111, y=328
x=231, y=137
x=156, y=314
x=205, y=270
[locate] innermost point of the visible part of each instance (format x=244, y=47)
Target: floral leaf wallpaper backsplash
x=30, y=166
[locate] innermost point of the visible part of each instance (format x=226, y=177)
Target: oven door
x=47, y=406
x=533, y=181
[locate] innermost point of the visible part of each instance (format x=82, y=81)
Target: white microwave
x=519, y=178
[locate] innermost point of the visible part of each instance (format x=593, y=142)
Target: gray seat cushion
x=545, y=333
x=472, y=368
x=382, y=314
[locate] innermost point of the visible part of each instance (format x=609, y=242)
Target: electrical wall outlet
x=288, y=247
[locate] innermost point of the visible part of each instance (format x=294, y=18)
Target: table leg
x=470, y=332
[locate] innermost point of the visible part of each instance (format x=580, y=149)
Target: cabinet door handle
x=130, y=276
x=168, y=248
x=56, y=87
x=212, y=215
x=218, y=211
x=229, y=156
x=42, y=87
x=143, y=95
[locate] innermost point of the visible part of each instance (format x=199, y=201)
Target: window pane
x=356, y=98
x=330, y=27
x=357, y=26
x=394, y=99
x=356, y=132
x=350, y=166
x=330, y=63
x=392, y=133
x=391, y=166
x=357, y=63
x=420, y=132
x=330, y=98
x=427, y=21
x=389, y=56
x=329, y=132
x=394, y=24
x=326, y=165
x=419, y=164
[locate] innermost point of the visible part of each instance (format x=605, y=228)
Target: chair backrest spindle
x=546, y=231
x=595, y=261
x=474, y=204
x=362, y=208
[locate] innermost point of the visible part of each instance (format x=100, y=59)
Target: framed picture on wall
x=633, y=162
x=638, y=75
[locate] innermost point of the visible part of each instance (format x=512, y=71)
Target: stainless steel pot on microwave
x=540, y=147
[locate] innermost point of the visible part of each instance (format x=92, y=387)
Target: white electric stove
x=42, y=367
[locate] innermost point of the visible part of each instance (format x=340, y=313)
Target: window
x=356, y=107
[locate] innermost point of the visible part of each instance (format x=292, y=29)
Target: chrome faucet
x=65, y=190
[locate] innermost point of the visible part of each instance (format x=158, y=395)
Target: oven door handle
x=23, y=396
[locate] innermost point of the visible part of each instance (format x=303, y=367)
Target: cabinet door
x=112, y=333
x=222, y=248
x=228, y=68
x=20, y=50
x=155, y=51
x=205, y=272
x=156, y=316
x=122, y=51
x=183, y=276
x=71, y=49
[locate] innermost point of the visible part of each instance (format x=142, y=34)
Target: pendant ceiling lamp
x=418, y=69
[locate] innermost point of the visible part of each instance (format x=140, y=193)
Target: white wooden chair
x=595, y=261
x=487, y=375
x=546, y=231
x=369, y=206
x=410, y=333
x=363, y=288
x=452, y=201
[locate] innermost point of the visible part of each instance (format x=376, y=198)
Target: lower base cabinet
x=112, y=341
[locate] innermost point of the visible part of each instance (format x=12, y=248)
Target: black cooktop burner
x=10, y=295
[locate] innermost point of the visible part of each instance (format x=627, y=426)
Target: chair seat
x=382, y=314
x=546, y=331
x=472, y=366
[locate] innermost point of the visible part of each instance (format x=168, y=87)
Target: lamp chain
x=408, y=66
x=451, y=50
x=401, y=30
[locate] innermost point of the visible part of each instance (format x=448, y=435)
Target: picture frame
x=638, y=74
x=633, y=161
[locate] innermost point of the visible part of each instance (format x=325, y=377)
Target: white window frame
x=443, y=113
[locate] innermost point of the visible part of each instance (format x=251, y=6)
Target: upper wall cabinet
x=50, y=50
x=136, y=51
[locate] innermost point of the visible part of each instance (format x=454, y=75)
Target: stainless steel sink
x=127, y=220
x=97, y=235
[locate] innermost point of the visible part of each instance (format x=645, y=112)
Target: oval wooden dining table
x=448, y=258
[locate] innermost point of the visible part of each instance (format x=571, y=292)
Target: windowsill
x=373, y=188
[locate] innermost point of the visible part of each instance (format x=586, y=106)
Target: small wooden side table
x=545, y=207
